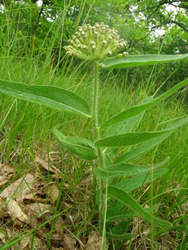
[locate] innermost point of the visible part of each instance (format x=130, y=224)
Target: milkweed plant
x=102, y=46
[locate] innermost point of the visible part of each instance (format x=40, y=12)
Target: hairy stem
x=102, y=184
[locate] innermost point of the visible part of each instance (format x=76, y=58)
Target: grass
x=26, y=132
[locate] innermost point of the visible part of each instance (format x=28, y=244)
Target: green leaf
x=130, y=112
x=126, y=214
x=140, y=180
x=122, y=215
x=126, y=236
x=114, y=207
x=123, y=127
x=128, y=139
x=140, y=60
x=177, y=124
x=126, y=125
x=134, y=153
x=151, y=143
x=135, y=138
x=82, y=147
x=129, y=201
x=120, y=228
x=132, y=184
x=49, y=96
x=126, y=170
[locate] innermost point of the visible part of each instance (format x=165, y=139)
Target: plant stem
x=102, y=184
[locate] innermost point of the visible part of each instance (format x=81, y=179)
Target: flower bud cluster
x=94, y=42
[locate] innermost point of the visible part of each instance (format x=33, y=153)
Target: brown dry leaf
x=18, y=188
x=39, y=244
x=16, y=212
x=59, y=225
x=94, y=242
x=46, y=166
x=58, y=235
x=6, y=174
x=37, y=209
x=32, y=197
x=2, y=237
x=69, y=242
x=53, y=193
x=24, y=244
x=39, y=189
x=55, y=248
x=185, y=207
x=2, y=210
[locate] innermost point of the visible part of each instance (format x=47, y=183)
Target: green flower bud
x=93, y=47
x=125, y=54
x=95, y=42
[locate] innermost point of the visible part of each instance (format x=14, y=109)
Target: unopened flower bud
x=77, y=41
x=121, y=45
x=69, y=53
x=101, y=65
x=71, y=41
x=95, y=42
x=119, y=56
x=92, y=43
x=125, y=54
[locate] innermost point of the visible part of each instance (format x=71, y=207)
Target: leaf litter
x=27, y=207
x=27, y=217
